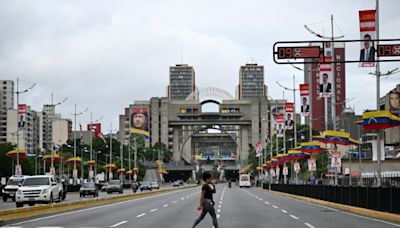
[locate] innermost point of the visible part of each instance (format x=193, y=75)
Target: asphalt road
x=239, y=208
x=71, y=196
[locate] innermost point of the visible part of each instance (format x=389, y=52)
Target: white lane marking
x=118, y=224
x=218, y=216
x=275, y=206
x=187, y=197
x=220, y=202
x=219, y=206
x=99, y=207
x=260, y=199
x=284, y=211
x=266, y=202
x=141, y=215
x=376, y=220
x=165, y=205
x=154, y=210
x=174, y=201
x=294, y=217
x=182, y=198
x=309, y=225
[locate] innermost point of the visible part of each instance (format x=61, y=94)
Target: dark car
x=145, y=186
x=88, y=189
x=181, y=182
x=115, y=186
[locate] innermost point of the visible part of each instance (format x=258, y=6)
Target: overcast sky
x=106, y=54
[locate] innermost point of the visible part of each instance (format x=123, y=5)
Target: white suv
x=38, y=189
x=11, y=187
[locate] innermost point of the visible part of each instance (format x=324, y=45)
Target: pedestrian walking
x=206, y=201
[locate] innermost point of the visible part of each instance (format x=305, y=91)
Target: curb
x=356, y=210
x=26, y=212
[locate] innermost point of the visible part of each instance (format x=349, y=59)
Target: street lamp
x=75, y=172
x=53, y=105
x=18, y=169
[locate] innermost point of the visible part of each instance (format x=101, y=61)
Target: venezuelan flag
x=382, y=119
x=337, y=137
x=311, y=147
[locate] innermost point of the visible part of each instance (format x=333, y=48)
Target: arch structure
x=209, y=95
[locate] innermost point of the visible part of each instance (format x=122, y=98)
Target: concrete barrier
x=26, y=212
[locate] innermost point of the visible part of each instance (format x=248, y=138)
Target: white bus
x=244, y=181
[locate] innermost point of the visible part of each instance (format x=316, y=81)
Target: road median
x=28, y=212
x=356, y=210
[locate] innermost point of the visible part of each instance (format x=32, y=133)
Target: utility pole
x=75, y=172
x=18, y=169
x=91, y=143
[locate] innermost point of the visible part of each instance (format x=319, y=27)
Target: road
x=239, y=208
x=71, y=196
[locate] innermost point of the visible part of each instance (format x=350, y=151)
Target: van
x=244, y=181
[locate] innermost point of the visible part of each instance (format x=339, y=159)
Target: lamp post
x=91, y=143
x=18, y=169
x=110, y=168
x=75, y=171
x=53, y=106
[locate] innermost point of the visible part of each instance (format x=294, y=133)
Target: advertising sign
x=289, y=111
x=18, y=170
x=285, y=171
x=75, y=173
x=312, y=166
x=296, y=167
x=280, y=128
x=336, y=160
x=305, y=99
x=21, y=115
x=95, y=128
x=367, y=33
x=52, y=170
x=325, y=78
x=140, y=121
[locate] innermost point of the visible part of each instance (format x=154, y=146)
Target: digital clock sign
x=299, y=52
x=388, y=50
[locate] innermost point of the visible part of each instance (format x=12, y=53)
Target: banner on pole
x=259, y=147
x=285, y=171
x=367, y=33
x=18, y=170
x=325, y=78
x=289, y=111
x=305, y=99
x=312, y=166
x=296, y=167
x=21, y=115
x=336, y=160
x=280, y=128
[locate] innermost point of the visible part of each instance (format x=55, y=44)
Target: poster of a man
x=394, y=99
x=367, y=54
x=305, y=107
x=325, y=86
x=289, y=123
x=139, y=121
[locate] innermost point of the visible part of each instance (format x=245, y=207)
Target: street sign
x=317, y=51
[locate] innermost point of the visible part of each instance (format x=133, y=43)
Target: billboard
x=21, y=115
x=95, y=128
x=139, y=121
x=289, y=115
x=305, y=99
x=367, y=33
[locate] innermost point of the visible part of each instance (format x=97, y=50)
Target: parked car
x=176, y=184
x=145, y=186
x=104, y=187
x=155, y=185
x=88, y=189
x=39, y=189
x=12, y=186
x=115, y=186
x=181, y=182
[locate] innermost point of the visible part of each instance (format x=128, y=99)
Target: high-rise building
x=6, y=103
x=251, y=82
x=318, y=107
x=62, y=130
x=48, y=115
x=28, y=137
x=181, y=81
